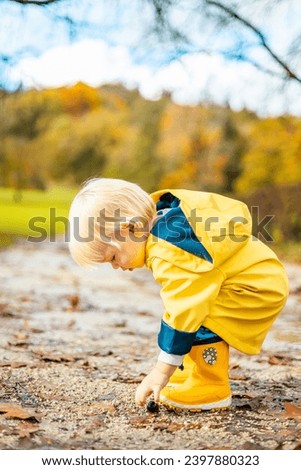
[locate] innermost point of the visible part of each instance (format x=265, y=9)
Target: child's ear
x=133, y=226
x=130, y=226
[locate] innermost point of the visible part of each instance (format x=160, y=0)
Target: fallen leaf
x=161, y=425
x=144, y=313
x=71, y=324
x=100, y=408
x=74, y=302
x=120, y=324
x=52, y=357
x=173, y=427
x=11, y=410
x=26, y=429
x=234, y=366
x=296, y=290
x=130, y=380
x=21, y=336
x=235, y=374
x=4, y=311
x=279, y=360
x=58, y=358
x=13, y=365
x=98, y=422
x=252, y=446
x=193, y=426
x=33, y=329
x=18, y=342
x=141, y=421
x=292, y=411
x=19, y=339
x=101, y=353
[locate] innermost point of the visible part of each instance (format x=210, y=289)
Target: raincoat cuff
x=172, y=359
x=174, y=341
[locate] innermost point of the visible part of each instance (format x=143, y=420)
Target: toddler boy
x=221, y=286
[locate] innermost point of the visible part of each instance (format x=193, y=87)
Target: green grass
x=34, y=213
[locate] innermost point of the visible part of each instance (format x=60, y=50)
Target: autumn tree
x=273, y=156
x=23, y=117
x=234, y=144
x=72, y=133
x=201, y=147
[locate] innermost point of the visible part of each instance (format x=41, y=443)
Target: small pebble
x=152, y=406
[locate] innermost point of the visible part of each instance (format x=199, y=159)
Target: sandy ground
x=74, y=345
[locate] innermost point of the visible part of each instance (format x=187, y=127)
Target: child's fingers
x=139, y=398
x=156, y=391
x=141, y=395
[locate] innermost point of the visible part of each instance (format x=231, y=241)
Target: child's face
x=130, y=253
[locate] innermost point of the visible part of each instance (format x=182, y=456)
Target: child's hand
x=154, y=382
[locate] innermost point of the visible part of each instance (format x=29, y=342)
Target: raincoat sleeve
x=187, y=297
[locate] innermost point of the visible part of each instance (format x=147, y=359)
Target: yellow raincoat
x=213, y=272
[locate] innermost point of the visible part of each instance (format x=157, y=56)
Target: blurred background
x=196, y=94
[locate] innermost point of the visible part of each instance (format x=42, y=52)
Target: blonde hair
x=101, y=207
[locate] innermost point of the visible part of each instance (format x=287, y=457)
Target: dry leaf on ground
x=12, y=410
x=279, y=360
x=53, y=357
x=26, y=429
x=13, y=364
x=292, y=411
x=100, y=408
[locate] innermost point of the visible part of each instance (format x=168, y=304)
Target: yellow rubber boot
x=207, y=387
x=182, y=373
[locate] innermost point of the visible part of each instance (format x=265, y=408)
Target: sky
x=115, y=49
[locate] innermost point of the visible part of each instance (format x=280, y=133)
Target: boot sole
x=218, y=405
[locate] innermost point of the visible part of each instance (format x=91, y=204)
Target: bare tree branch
x=290, y=74
x=237, y=56
x=244, y=58
x=177, y=34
